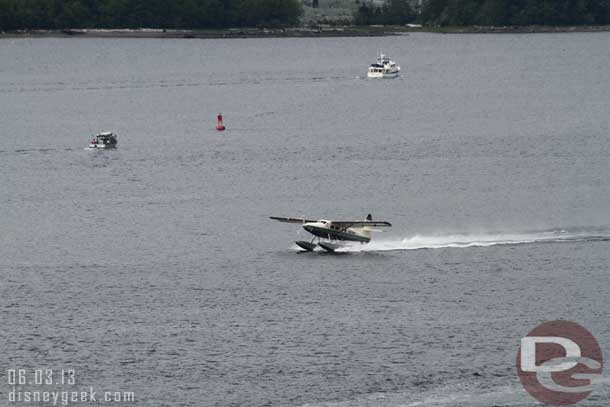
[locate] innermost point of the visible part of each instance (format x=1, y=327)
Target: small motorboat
x=383, y=68
x=103, y=140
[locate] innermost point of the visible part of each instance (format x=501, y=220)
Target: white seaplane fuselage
x=325, y=229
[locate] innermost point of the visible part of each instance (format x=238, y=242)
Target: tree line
x=201, y=14
x=515, y=12
x=391, y=12
x=486, y=12
x=187, y=14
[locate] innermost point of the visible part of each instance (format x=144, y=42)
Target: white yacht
x=383, y=68
x=103, y=140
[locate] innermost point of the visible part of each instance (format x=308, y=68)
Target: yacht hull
x=101, y=146
x=382, y=75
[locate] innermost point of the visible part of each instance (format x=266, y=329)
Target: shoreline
x=204, y=34
x=324, y=31
x=526, y=29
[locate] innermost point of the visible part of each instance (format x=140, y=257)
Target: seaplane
x=331, y=235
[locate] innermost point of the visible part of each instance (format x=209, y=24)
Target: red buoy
x=220, y=126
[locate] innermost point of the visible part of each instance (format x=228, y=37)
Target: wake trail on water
x=458, y=240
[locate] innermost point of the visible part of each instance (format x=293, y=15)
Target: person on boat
x=94, y=141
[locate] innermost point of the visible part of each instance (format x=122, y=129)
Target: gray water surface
x=154, y=268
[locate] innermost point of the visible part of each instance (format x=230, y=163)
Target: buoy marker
x=220, y=126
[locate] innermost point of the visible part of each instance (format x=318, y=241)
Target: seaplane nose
x=308, y=228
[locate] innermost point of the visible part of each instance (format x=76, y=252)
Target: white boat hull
x=100, y=146
x=383, y=75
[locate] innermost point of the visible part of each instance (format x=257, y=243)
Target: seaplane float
x=331, y=235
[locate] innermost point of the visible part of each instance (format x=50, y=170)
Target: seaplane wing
x=360, y=224
x=341, y=224
x=291, y=220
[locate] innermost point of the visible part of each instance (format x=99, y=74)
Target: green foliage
x=392, y=12
x=515, y=12
x=194, y=14
x=272, y=13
